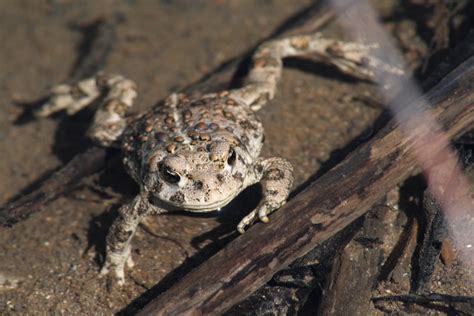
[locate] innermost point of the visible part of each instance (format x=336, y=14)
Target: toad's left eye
x=231, y=157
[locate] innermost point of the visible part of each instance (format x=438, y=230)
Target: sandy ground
x=163, y=45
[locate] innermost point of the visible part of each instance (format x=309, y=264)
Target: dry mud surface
x=49, y=263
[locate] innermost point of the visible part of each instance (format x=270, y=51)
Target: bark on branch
x=328, y=205
x=61, y=182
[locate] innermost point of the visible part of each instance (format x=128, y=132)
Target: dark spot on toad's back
x=193, y=134
x=169, y=120
x=201, y=126
x=179, y=139
x=205, y=136
x=187, y=114
x=197, y=103
x=229, y=115
x=171, y=148
x=161, y=137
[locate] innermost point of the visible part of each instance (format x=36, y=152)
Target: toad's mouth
x=207, y=207
x=193, y=206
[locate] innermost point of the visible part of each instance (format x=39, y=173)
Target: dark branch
x=60, y=182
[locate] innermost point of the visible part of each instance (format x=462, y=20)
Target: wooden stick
x=62, y=181
x=329, y=204
x=354, y=271
x=307, y=20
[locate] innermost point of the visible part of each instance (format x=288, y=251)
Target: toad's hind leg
x=355, y=59
x=116, y=95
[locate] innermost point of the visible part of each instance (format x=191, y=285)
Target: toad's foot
x=116, y=94
x=261, y=212
x=276, y=177
x=71, y=98
x=116, y=262
x=118, y=252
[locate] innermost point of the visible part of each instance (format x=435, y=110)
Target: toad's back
x=191, y=124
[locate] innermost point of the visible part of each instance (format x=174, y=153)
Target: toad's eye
x=231, y=157
x=169, y=175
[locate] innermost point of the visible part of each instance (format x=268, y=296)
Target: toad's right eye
x=169, y=175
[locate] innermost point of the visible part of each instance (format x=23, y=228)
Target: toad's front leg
x=276, y=178
x=118, y=251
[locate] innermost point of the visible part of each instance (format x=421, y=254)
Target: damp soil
x=50, y=262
